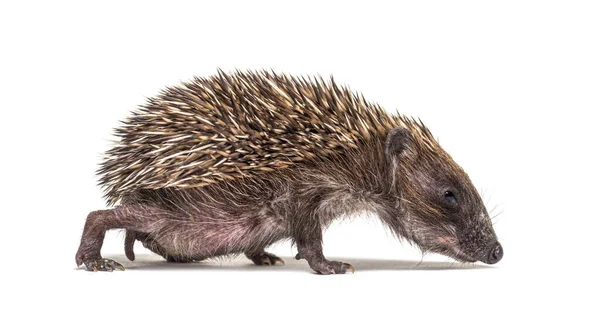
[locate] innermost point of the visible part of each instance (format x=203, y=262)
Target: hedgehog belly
x=201, y=239
x=187, y=227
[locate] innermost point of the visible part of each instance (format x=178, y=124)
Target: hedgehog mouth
x=449, y=247
x=458, y=254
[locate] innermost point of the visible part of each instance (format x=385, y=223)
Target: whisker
x=422, y=258
x=494, y=220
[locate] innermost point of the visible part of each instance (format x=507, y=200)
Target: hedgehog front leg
x=310, y=247
x=96, y=225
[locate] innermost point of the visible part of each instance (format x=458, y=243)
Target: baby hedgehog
x=236, y=162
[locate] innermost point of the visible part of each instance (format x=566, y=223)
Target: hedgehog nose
x=494, y=254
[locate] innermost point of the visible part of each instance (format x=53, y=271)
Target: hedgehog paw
x=103, y=265
x=331, y=267
x=265, y=258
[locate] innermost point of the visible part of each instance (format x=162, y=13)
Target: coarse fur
x=235, y=162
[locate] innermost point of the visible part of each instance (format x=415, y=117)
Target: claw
x=103, y=265
x=348, y=266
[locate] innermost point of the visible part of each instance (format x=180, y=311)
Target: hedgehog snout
x=493, y=254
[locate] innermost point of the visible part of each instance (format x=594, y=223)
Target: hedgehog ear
x=398, y=142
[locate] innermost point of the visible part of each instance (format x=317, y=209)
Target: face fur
x=444, y=212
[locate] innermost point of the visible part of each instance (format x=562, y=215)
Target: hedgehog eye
x=450, y=198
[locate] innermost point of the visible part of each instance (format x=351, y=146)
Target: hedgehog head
x=443, y=211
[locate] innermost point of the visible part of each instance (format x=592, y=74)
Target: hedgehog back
x=228, y=126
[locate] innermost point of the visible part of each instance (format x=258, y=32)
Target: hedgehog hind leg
x=130, y=237
x=96, y=225
x=264, y=258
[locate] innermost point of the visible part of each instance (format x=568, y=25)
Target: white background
x=510, y=88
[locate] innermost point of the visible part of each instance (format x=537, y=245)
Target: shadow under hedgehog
x=235, y=162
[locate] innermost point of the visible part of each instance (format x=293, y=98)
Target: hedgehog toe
x=103, y=265
x=332, y=267
x=265, y=258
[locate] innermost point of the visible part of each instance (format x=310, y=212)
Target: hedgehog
x=232, y=163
